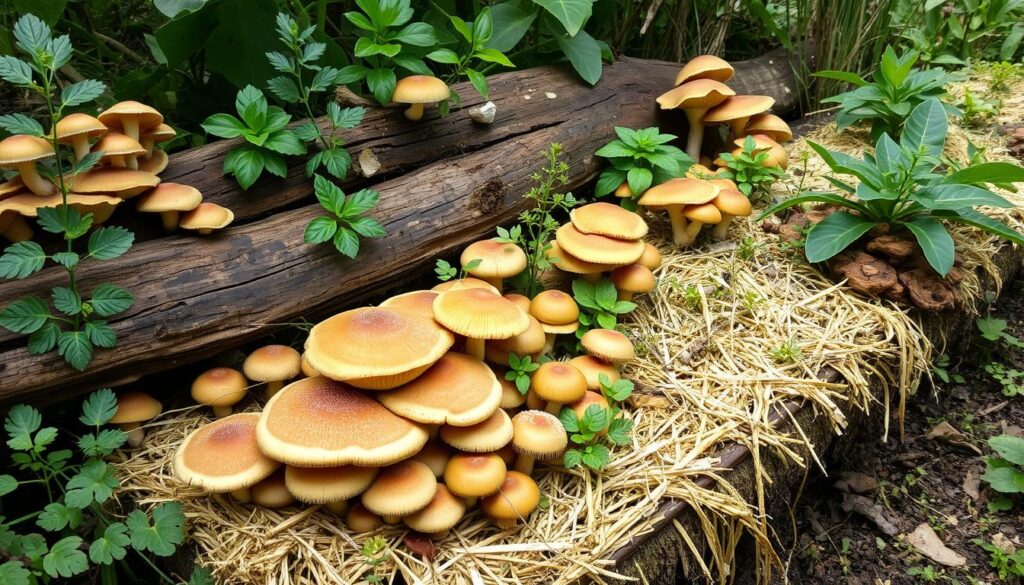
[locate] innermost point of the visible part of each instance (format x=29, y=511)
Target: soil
x=853, y=527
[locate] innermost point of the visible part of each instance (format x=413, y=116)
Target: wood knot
x=488, y=197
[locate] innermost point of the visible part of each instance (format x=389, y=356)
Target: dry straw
x=712, y=369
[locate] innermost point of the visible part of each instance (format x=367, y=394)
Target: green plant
x=958, y=31
x=599, y=305
x=925, y=573
x=896, y=89
x=346, y=221
x=1007, y=565
x=472, y=49
x=640, y=158
x=901, y=188
x=537, y=225
x=999, y=75
x=520, y=370
x=599, y=430
x=977, y=109
x=1005, y=472
x=445, y=271
x=997, y=331
x=79, y=325
x=748, y=169
x=374, y=552
x=788, y=353
x=943, y=370
x=1011, y=380
x=78, y=517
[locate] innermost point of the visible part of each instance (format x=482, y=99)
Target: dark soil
x=921, y=480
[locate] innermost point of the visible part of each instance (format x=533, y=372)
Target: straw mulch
x=707, y=340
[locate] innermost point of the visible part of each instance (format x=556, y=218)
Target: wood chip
x=924, y=539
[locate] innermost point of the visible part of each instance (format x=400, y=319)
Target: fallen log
x=443, y=183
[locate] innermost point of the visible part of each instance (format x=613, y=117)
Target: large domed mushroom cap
x=223, y=456
x=319, y=422
x=131, y=116
x=705, y=67
x=538, y=434
x=421, y=301
x=557, y=311
x=497, y=260
x=679, y=191
x=401, y=489
x=474, y=475
x=420, y=89
x=323, y=485
x=490, y=435
x=122, y=182
x=598, y=249
x=558, y=383
x=377, y=348
x=698, y=94
x=22, y=148
x=480, y=314
x=605, y=219
x=134, y=407
x=458, y=390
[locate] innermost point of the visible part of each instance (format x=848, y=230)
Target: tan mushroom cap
x=737, y=109
x=222, y=456
x=770, y=125
x=420, y=89
x=593, y=368
x=159, y=133
x=474, y=475
x=308, y=370
x=401, y=489
x=122, y=182
x=538, y=434
x=605, y=219
x=573, y=265
x=361, y=520
x=134, y=407
x=207, y=217
x=434, y=455
x=28, y=204
x=732, y=202
x=12, y=187
x=421, y=301
x=219, y=387
x=680, y=191
x=705, y=67
x=489, y=435
x=521, y=301
x=623, y=191
x=115, y=144
x=155, y=163
x=323, y=485
x=777, y=156
x=518, y=497
x=529, y=342
x=589, y=398
x=376, y=347
x=634, y=278
x=558, y=382
x=468, y=282
x=724, y=184
x=480, y=314
x=78, y=124
x=457, y=390
x=557, y=311
x=272, y=363
x=594, y=248
x=703, y=213
x=272, y=492
x=698, y=94
x=442, y=513
x=498, y=260
x=608, y=345
x=128, y=114
x=22, y=148
x=170, y=197
x=651, y=257
x=510, y=395
x=318, y=422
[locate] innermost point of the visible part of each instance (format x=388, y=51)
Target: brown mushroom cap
x=222, y=456
x=457, y=390
x=724, y=184
x=705, y=67
x=518, y=497
x=420, y=89
x=733, y=202
x=589, y=398
x=442, y=513
x=538, y=434
x=115, y=115
x=78, y=124
x=651, y=257
x=605, y=219
x=154, y=163
x=219, y=387
x=484, y=437
x=738, y=107
x=272, y=492
x=170, y=197
x=608, y=345
x=473, y=475
x=401, y=489
x=703, y=213
x=434, y=455
x=134, y=407
x=22, y=148
x=595, y=248
x=421, y=301
x=122, y=182
x=592, y=369
x=28, y=204
x=521, y=301
x=159, y=133
x=323, y=485
x=318, y=422
x=480, y=314
x=557, y=311
x=207, y=216
x=376, y=347
x=272, y=363
x=498, y=260
x=529, y=342
x=361, y=520
x=558, y=382
x=681, y=191
x=770, y=125
x=634, y=278
x=566, y=262
x=115, y=144
x=468, y=282
x=697, y=94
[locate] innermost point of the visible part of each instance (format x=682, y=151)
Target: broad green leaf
x=512, y=20
x=285, y=142
x=493, y=56
x=44, y=339
x=619, y=431
x=81, y=92
x=15, y=71
x=19, y=123
x=22, y=419
x=347, y=242
x=75, y=348
x=224, y=126
x=99, y=408
x=63, y=219
x=419, y=34
x=284, y=88
x=834, y=234
x=479, y=81
x=571, y=13
x=22, y=260
x=345, y=117
x=107, y=243
x=953, y=196
x=351, y=74
x=1006, y=480
x=7, y=485
x=110, y=299
x=359, y=203
x=483, y=28
x=25, y=315
x=66, y=300
x=14, y=573
x=246, y=164
x=926, y=128
x=31, y=33
x=381, y=83
x=461, y=27
x=446, y=56
x=65, y=559
x=172, y=8
x=935, y=242
x=830, y=198
x=162, y=535
x=95, y=482
x=367, y=227
x=112, y=546
x=1009, y=447
x=991, y=172
x=572, y=458
x=851, y=78
x=100, y=333
x=56, y=516
x=583, y=52
x=983, y=222
x=320, y=230
x=103, y=443
x=66, y=259
x=639, y=179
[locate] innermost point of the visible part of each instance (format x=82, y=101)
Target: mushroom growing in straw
x=698, y=216
x=558, y=383
x=675, y=194
x=418, y=90
x=557, y=313
x=537, y=435
x=632, y=279
x=220, y=388
x=490, y=435
x=474, y=475
x=400, y=490
x=457, y=390
x=695, y=98
x=597, y=248
x=731, y=203
x=273, y=364
x=495, y=261
x=479, y=314
x=272, y=492
x=518, y=497
x=528, y=343
x=21, y=152
x=608, y=345
x=330, y=486
x=441, y=515
x=134, y=408
x=222, y=456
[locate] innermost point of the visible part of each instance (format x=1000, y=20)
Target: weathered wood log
x=443, y=183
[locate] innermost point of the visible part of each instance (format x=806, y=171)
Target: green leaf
x=65, y=559
x=44, y=339
x=446, y=56
x=285, y=142
x=953, y=197
x=95, y=482
x=22, y=260
x=479, y=81
x=1009, y=447
x=351, y=74
x=512, y=20
x=66, y=300
x=365, y=47
x=7, y=485
x=935, y=242
x=224, y=126
x=284, y=88
x=834, y=234
x=926, y=128
x=1005, y=479
x=345, y=117
x=419, y=34
x=22, y=419
x=25, y=315
x=99, y=408
x=86, y=163
x=81, y=92
x=102, y=444
x=347, y=242
x=337, y=161
x=64, y=219
x=252, y=106
x=100, y=333
x=569, y=420
x=596, y=457
x=583, y=52
x=14, y=573
x=112, y=546
x=573, y=458
x=639, y=179
x=571, y=13
x=851, y=78
x=320, y=230
x=619, y=431
x=605, y=294
x=15, y=71
x=162, y=535
x=595, y=419
x=31, y=33
x=461, y=27
x=75, y=348
x=382, y=84
x=110, y=299
x=983, y=222
x=367, y=227
x=107, y=243
x=19, y=123
x=57, y=516
x=990, y=172
x=246, y=164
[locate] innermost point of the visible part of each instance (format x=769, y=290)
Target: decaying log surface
x=443, y=183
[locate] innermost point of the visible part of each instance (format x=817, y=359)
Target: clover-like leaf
x=162, y=535
x=112, y=546
x=65, y=558
x=95, y=482
x=56, y=516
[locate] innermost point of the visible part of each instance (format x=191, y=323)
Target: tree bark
x=444, y=182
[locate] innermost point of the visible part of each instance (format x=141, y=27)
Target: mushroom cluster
x=126, y=135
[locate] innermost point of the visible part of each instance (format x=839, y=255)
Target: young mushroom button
x=474, y=475
x=558, y=383
x=699, y=215
x=537, y=435
x=418, y=90
x=528, y=343
x=632, y=279
x=732, y=204
x=272, y=492
x=134, y=408
x=220, y=388
x=771, y=126
x=170, y=200
x=21, y=152
x=495, y=261
x=518, y=497
x=273, y=364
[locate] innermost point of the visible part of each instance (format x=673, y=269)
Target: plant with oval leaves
x=599, y=305
x=640, y=158
x=748, y=169
x=599, y=430
x=901, y=187
x=472, y=49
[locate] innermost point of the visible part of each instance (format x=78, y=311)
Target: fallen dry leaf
x=1005, y=544
x=924, y=539
x=971, y=484
x=947, y=434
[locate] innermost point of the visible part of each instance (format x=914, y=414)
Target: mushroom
x=170, y=200
x=376, y=348
x=119, y=182
x=207, y=217
x=273, y=364
x=220, y=388
x=159, y=133
x=632, y=279
x=399, y=490
x=156, y=163
x=731, y=203
x=441, y=515
x=521, y=301
x=307, y=370
x=490, y=435
x=557, y=313
x=457, y=390
x=596, y=248
x=737, y=110
x=21, y=152
x=361, y=520
x=593, y=368
x=132, y=117
x=330, y=486
x=771, y=126
x=421, y=301
x=651, y=257
x=673, y=195
x=777, y=157
x=479, y=314
x=120, y=150
x=272, y=492
x=14, y=227
x=496, y=260
x=28, y=205
x=76, y=130
x=134, y=408
x=222, y=456
x=562, y=260
x=468, y=282
x=434, y=455
x=589, y=399
x=537, y=435
x=608, y=345
x=605, y=219
x=511, y=398
x=530, y=342
x=351, y=428
x=700, y=214
x=518, y=497
x=705, y=67
x=695, y=98
x=418, y=90
x=474, y=475
x=623, y=191
x=558, y=383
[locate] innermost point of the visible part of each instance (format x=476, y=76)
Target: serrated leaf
x=619, y=431
x=160, y=536
x=100, y=333
x=103, y=443
x=57, y=516
x=15, y=71
x=285, y=142
x=25, y=315
x=65, y=559
x=75, y=348
x=66, y=259
x=63, y=218
x=246, y=164
x=95, y=482
x=21, y=260
x=345, y=117
x=19, y=123
x=572, y=458
x=44, y=339
x=111, y=546
x=81, y=92
x=224, y=126
x=99, y=408
x=346, y=241
x=107, y=243
x=7, y=485
x=320, y=230
x=66, y=300
x=285, y=89
x=367, y=227
x=110, y=299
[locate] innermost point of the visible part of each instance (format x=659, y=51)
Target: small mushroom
x=170, y=200
x=651, y=257
x=131, y=117
x=441, y=515
x=731, y=203
x=21, y=152
x=434, y=455
x=528, y=343
x=695, y=98
x=737, y=110
x=593, y=368
x=557, y=313
x=518, y=497
x=558, y=383
x=777, y=157
x=134, y=408
x=675, y=194
x=222, y=456
x=608, y=345
x=418, y=90
x=159, y=133
x=272, y=492
x=495, y=261
x=274, y=365
x=120, y=150
x=76, y=130
x=699, y=215
x=632, y=279
x=220, y=388
x=479, y=314
x=474, y=475
x=116, y=181
x=771, y=126
x=206, y=218
x=360, y=520
x=330, y=486
x=537, y=435
x=399, y=490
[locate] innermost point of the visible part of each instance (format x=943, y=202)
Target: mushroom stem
x=18, y=230
x=130, y=125
x=221, y=411
x=675, y=215
x=117, y=161
x=438, y=535
x=30, y=176
x=391, y=519
x=721, y=230
x=148, y=144
x=495, y=282
x=470, y=501
x=524, y=463
x=553, y=407
x=273, y=388
x=135, y=433
x=625, y=295
x=415, y=112
x=81, y=145
x=592, y=277
x=738, y=127
x=339, y=507
x=549, y=343
x=693, y=230
x=242, y=495
x=170, y=219
x=132, y=162
x=475, y=348
x=696, y=135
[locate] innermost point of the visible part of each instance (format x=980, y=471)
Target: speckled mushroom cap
x=558, y=382
x=518, y=497
x=421, y=301
x=28, y=204
x=272, y=492
x=434, y=455
x=680, y=191
x=770, y=125
x=420, y=89
x=538, y=434
x=592, y=368
x=528, y=342
x=222, y=456
x=22, y=148
x=219, y=387
x=480, y=314
x=458, y=390
x=207, y=216
x=703, y=213
x=557, y=311
x=651, y=257
x=605, y=219
x=468, y=282
x=115, y=115
x=608, y=345
x=733, y=202
x=377, y=348
x=79, y=124
x=697, y=94
x=497, y=259
x=474, y=475
x=122, y=182
x=401, y=489
x=484, y=437
x=115, y=144
x=170, y=197
x=595, y=248
x=635, y=278
x=705, y=67
x=133, y=407
x=442, y=513
x=272, y=363
x=323, y=485
x=738, y=107
x=568, y=263
x=319, y=422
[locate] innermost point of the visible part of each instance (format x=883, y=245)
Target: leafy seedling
x=347, y=221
